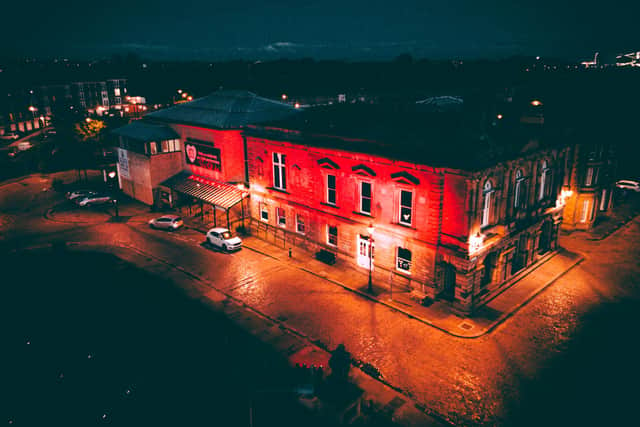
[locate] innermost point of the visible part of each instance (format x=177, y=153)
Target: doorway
x=365, y=252
x=448, y=281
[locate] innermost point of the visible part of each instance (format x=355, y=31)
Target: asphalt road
x=567, y=357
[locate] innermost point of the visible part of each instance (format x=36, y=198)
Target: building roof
x=229, y=109
x=146, y=132
x=213, y=192
x=455, y=139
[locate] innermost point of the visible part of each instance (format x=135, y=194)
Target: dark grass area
x=86, y=335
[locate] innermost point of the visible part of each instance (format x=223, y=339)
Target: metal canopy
x=216, y=193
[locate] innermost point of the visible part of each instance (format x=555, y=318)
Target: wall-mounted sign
x=203, y=154
x=123, y=163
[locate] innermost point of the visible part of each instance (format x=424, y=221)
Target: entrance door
x=544, y=244
x=364, y=246
x=520, y=256
x=448, y=281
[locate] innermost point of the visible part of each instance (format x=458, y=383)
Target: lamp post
x=370, y=229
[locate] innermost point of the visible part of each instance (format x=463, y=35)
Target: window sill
x=329, y=205
x=278, y=190
x=399, y=224
x=368, y=215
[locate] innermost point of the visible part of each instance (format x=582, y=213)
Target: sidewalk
x=438, y=315
x=618, y=216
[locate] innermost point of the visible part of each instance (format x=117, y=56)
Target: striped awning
x=216, y=193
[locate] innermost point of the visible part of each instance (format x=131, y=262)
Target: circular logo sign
x=192, y=153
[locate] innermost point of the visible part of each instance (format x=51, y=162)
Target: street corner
x=67, y=212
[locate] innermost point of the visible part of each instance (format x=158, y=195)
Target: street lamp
x=370, y=229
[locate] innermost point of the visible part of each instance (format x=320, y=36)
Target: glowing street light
x=499, y=116
x=179, y=90
x=184, y=94
x=189, y=98
x=370, y=230
x=536, y=103
x=284, y=96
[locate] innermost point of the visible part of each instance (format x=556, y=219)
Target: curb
x=427, y=322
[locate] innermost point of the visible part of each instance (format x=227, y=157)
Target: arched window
x=519, y=198
x=545, y=181
x=487, y=193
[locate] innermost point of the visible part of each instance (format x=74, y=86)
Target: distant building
x=590, y=182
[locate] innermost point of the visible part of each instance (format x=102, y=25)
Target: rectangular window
x=165, y=146
x=588, y=180
x=279, y=175
x=331, y=189
x=300, y=224
x=406, y=207
x=116, y=92
x=282, y=219
x=177, y=144
x=264, y=213
x=403, y=260
x=486, y=209
x=365, y=197
x=585, y=214
x=154, y=147
x=332, y=235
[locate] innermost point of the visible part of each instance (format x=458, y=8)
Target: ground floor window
x=300, y=224
x=403, y=260
x=282, y=219
x=332, y=235
x=264, y=213
x=585, y=214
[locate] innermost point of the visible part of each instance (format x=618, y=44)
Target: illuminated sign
x=202, y=154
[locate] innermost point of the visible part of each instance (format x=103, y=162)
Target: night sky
x=341, y=29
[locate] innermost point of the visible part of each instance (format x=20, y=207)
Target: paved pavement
x=466, y=381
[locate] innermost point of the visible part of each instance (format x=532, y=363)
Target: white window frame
x=585, y=214
x=279, y=171
x=330, y=190
x=517, y=200
x=401, y=206
x=486, y=205
x=329, y=227
x=398, y=259
x=363, y=198
x=588, y=180
x=300, y=222
x=264, y=213
x=281, y=219
x=544, y=172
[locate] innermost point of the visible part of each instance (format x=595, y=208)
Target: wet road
x=495, y=379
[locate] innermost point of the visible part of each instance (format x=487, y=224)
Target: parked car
x=167, y=222
x=628, y=184
x=222, y=238
x=92, y=199
x=78, y=193
x=10, y=135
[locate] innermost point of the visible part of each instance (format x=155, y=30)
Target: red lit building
x=192, y=154
x=456, y=215
x=430, y=202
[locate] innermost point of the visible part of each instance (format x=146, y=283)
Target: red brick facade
x=323, y=189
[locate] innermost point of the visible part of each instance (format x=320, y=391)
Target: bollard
x=289, y=252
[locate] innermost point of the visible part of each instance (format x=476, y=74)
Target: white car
x=167, y=222
x=92, y=199
x=627, y=184
x=221, y=237
x=10, y=135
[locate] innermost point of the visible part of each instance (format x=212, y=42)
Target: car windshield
x=226, y=235
x=177, y=219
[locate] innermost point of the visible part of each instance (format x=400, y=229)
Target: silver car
x=79, y=193
x=628, y=184
x=92, y=199
x=167, y=222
